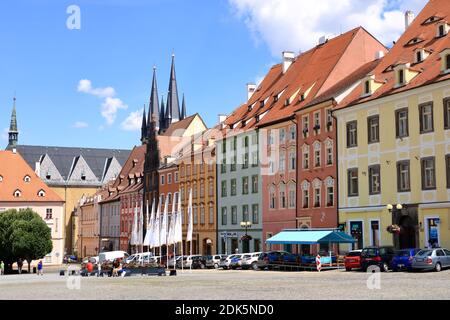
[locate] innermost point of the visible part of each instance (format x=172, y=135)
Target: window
x=255, y=214
x=224, y=216
x=245, y=216
x=403, y=175
x=162, y=179
x=282, y=161
x=352, y=134
x=428, y=174
x=272, y=197
x=367, y=87
x=401, y=119
x=447, y=62
x=255, y=159
x=234, y=215
x=401, y=76
x=223, y=167
x=41, y=193
x=329, y=119
x=233, y=163
x=292, y=160
x=195, y=214
x=375, y=234
x=447, y=165
x=202, y=215
x=317, y=156
x=419, y=56
x=245, y=160
x=169, y=198
x=317, y=197
x=176, y=177
x=211, y=188
x=426, y=117
x=224, y=189
x=1, y=179
x=282, y=135
x=352, y=175
x=329, y=151
x=282, y=196
x=292, y=195
x=49, y=214
x=306, y=157
x=169, y=178
x=317, y=122
x=254, y=184
x=293, y=132
x=17, y=193
x=374, y=180
x=306, y=126
x=270, y=138
x=373, y=126
x=245, y=185
x=330, y=196
x=27, y=179
x=233, y=187
x=441, y=30
x=305, y=198
x=446, y=113
x=211, y=214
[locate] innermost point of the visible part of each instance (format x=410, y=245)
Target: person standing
x=19, y=265
x=2, y=268
x=40, y=268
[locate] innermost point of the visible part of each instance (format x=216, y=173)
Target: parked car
x=268, y=259
x=431, y=259
x=93, y=260
x=70, y=259
x=187, y=261
x=250, y=261
x=353, y=260
x=236, y=261
x=144, y=257
x=172, y=262
x=112, y=255
x=199, y=262
x=225, y=262
x=214, y=261
x=403, y=259
x=377, y=256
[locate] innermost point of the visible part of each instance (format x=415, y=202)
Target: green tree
x=23, y=234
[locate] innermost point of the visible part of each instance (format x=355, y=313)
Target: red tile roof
x=13, y=170
x=429, y=70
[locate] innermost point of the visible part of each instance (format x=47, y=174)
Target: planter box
x=144, y=271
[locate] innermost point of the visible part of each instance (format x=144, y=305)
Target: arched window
x=272, y=197
x=27, y=178
x=292, y=194
x=17, y=193
x=283, y=202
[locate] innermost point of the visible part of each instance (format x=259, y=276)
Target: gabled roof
x=429, y=71
x=177, y=129
x=13, y=170
x=63, y=157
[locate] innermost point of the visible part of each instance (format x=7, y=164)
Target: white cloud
x=110, y=105
x=298, y=24
x=133, y=122
x=4, y=134
x=80, y=125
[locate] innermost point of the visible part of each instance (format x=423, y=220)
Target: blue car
x=403, y=259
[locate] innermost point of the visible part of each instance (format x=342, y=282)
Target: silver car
x=431, y=259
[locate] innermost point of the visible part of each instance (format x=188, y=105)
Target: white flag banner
x=156, y=228
x=134, y=232
x=178, y=236
x=140, y=235
x=190, y=219
x=163, y=232
x=170, y=236
x=148, y=235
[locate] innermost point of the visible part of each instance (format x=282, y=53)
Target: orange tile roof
x=178, y=128
x=316, y=71
x=13, y=170
x=429, y=69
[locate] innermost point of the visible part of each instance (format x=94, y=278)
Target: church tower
x=13, y=133
x=144, y=128
x=153, y=107
x=173, y=103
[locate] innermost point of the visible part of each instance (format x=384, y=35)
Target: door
x=407, y=237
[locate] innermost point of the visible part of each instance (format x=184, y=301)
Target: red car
x=353, y=260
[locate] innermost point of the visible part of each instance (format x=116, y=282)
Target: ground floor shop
x=240, y=241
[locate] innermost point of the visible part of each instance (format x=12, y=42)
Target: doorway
x=407, y=236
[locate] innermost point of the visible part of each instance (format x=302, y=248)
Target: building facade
x=393, y=150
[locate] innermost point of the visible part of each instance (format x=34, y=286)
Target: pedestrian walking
x=19, y=265
x=2, y=268
x=40, y=268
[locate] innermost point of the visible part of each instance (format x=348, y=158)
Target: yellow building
x=394, y=141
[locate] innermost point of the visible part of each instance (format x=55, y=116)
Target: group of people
x=40, y=267
x=115, y=270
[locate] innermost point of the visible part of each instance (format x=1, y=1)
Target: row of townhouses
x=349, y=134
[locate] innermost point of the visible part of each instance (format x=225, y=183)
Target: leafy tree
x=23, y=234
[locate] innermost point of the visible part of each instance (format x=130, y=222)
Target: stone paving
x=229, y=285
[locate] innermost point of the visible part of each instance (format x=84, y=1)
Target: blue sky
x=220, y=45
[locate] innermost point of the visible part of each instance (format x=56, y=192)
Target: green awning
x=310, y=237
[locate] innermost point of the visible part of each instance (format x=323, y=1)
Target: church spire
x=144, y=129
x=183, y=109
x=162, y=120
x=13, y=133
x=153, y=107
x=173, y=103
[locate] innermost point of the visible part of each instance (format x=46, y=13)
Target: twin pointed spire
x=168, y=113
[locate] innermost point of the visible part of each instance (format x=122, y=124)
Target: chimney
x=222, y=118
x=409, y=17
x=379, y=55
x=288, y=59
x=251, y=88
x=14, y=150
x=38, y=169
x=322, y=40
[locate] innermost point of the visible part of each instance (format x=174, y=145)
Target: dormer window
x=83, y=176
x=302, y=97
x=287, y=102
x=431, y=20
x=27, y=179
x=17, y=193
x=369, y=86
x=261, y=104
x=401, y=77
x=442, y=29
x=48, y=176
x=41, y=193
x=414, y=41
x=445, y=61
x=1, y=178
x=419, y=56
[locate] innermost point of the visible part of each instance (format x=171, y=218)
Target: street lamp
x=246, y=238
x=390, y=207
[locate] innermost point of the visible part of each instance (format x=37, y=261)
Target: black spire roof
x=173, y=103
x=183, y=109
x=144, y=128
x=13, y=133
x=154, y=103
x=162, y=120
